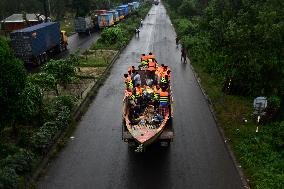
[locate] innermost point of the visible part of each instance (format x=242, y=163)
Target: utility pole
x=49, y=9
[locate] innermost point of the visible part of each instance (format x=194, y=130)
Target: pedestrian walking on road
x=177, y=40
x=183, y=55
x=141, y=23
x=137, y=31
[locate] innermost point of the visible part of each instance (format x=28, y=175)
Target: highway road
x=97, y=158
x=76, y=42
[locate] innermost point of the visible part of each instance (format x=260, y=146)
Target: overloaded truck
x=146, y=124
x=84, y=25
x=36, y=43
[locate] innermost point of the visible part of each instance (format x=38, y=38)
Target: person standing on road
x=141, y=23
x=183, y=55
x=137, y=31
x=177, y=40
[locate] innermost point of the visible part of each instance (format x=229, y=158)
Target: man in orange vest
x=131, y=69
x=156, y=96
x=129, y=95
x=151, y=56
x=164, y=102
x=128, y=81
x=138, y=93
x=152, y=69
x=144, y=57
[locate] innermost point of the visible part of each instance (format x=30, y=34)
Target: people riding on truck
x=155, y=88
x=128, y=81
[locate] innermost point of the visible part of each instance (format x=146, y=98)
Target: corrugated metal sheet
x=19, y=18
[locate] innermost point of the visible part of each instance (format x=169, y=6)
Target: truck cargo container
x=34, y=44
x=84, y=25
x=130, y=8
x=115, y=15
x=98, y=12
x=105, y=20
x=136, y=4
x=120, y=13
x=125, y=9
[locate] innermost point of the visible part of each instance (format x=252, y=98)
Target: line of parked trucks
x=35, y=44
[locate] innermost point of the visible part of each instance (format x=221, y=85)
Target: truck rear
x=84, y=25
x=34, y=44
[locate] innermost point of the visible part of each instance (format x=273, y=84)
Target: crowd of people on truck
x=154, y=90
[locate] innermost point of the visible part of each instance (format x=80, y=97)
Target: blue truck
x=124, y=9
x=120, y=13
x=135, y=5
x=36, y=43
x=105, y=20
x=115, y=15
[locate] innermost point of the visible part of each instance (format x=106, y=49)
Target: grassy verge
x=260, y=154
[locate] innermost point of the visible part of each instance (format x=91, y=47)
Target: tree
x=62, y=71
x=12, y=84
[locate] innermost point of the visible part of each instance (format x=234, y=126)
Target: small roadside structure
x=17, y=21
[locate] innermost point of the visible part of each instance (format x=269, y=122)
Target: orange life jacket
x=152, y=66
x=138, y=91
x=151, y=57
x=130, y=69
x=144, y=58
x=164, y=96
x=159, y=71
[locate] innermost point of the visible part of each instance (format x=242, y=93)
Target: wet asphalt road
x=98, y=158
x=79, y=42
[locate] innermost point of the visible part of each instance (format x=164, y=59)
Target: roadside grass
x=94, y=62
x=261, y=155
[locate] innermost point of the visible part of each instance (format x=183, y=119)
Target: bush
x=63, y=118
x=68, y=101
x=113, y=35
x=45, y=136
x=21, y=161
x=53, y=107
x=7, y=149
x=8, y=178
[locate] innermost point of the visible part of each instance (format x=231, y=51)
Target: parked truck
x=115, y=15
x=36, y=43
x=105, y=20
x=125, y=9
x=84, y=25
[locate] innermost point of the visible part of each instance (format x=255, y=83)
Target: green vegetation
x=29, y=122
x=37, y=108
x=240, y=42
